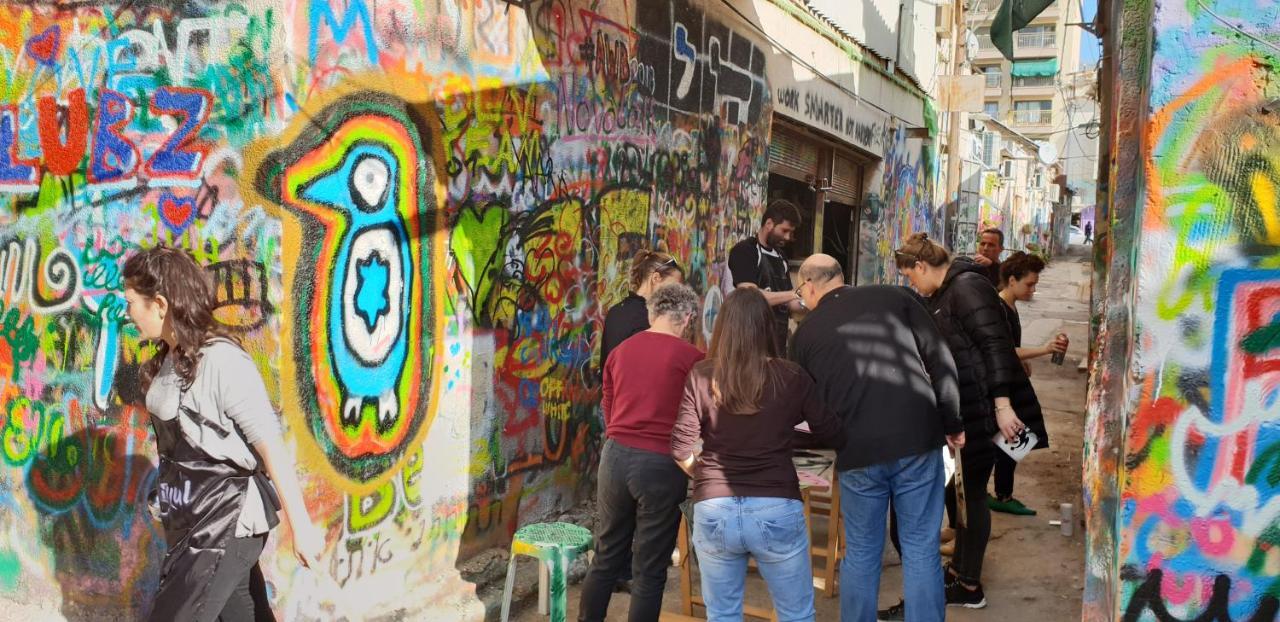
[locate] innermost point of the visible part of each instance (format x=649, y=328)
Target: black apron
x=199, y=500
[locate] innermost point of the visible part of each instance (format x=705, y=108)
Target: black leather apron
x=199, y=501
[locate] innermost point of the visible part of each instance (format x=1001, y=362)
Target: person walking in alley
x=1020, y=273
x=968, y=311
x=990, y=246
x=639, y=489
x=1088, y=232
x=882, y=365
x=222, y=451
x=649, y=270
x=744, y=402
x=759, y=261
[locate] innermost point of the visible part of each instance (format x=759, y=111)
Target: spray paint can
x=1068, y=522
x=1059, y=357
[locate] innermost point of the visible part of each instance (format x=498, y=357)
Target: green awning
x=1039, y=67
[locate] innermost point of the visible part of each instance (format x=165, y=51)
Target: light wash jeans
x=916, y=485
x=772, y=530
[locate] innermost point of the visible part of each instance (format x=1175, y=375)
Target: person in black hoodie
x=968, y=311
x=882, y=365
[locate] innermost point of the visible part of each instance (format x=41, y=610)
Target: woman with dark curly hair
x=221, y=449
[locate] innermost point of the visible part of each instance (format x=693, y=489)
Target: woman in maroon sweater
x=638, y=489
x=744, y=403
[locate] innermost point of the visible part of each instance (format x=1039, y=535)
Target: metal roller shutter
x=791, y=155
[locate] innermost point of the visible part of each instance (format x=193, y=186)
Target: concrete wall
x=472, y=173
x=1183, y=446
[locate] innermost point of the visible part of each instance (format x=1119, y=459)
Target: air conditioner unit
x=1055, y=193
x=944, y=24
x=1006, y=169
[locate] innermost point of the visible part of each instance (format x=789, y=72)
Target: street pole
x=958, y=46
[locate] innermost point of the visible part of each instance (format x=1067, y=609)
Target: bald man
x=880, y=363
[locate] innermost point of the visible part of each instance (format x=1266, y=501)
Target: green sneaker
x=1009, y=506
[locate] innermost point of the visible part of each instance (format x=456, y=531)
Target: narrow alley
x=1030, y=566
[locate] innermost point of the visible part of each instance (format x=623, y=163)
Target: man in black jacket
x=881, y=364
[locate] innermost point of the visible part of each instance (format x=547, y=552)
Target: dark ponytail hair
x=173, y=273
x=1019, y=265
x=647, y=262
x=918, y=248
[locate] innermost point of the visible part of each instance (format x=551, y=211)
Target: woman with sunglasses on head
x=220, y=444
x=649, y=270
x=638, y=489
x=969, y=313
x=743, y=403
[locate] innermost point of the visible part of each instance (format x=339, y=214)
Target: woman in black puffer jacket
x=969, y=313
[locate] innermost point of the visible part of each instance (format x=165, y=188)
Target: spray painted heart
x=477, y=243
x=177, y=212
x=44, y=47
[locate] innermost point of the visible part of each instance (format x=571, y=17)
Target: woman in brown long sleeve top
x=744, y=403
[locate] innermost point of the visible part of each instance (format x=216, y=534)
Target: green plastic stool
x=554, y=545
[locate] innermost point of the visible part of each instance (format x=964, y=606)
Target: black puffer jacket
x=971, y=316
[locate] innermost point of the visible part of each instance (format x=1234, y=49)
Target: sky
x=1089, y=48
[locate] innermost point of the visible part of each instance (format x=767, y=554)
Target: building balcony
x=1029, y=122
x=1034, y=50
x=989, y=53
x=1039, y=91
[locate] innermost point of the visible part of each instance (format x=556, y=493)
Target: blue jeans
x=915, y=484
x=772, y=530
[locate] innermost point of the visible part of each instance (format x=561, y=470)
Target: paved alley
x=1031, y=568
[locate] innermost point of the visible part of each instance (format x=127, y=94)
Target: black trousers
x=978, y=460
x=1005, y=467
x=240, y=577
x=638, y=496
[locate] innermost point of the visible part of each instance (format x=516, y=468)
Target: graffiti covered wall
x=1185, y=522
x=415, y=215
x=901, y=203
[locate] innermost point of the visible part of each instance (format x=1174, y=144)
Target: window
x=1037, y=37
x=1032, y=81
x=993, y=75
x=1033, y=112
x=992, y=109
x=984, y=38
x=990, y=150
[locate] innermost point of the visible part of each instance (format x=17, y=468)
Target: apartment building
x=1027, y=94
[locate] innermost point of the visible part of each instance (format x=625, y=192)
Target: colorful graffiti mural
x=415, y=215
x=1194, y=498
x=904, y=205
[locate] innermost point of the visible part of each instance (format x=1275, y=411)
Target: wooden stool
x=826, y=503
x=554, y=545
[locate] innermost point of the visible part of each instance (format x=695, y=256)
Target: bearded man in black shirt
x=759, y=261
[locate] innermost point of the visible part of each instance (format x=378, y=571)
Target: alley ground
x=1032, y=571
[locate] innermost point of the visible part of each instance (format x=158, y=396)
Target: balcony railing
x=1036, y=39
x=1033, y=117
x=1033, y=81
